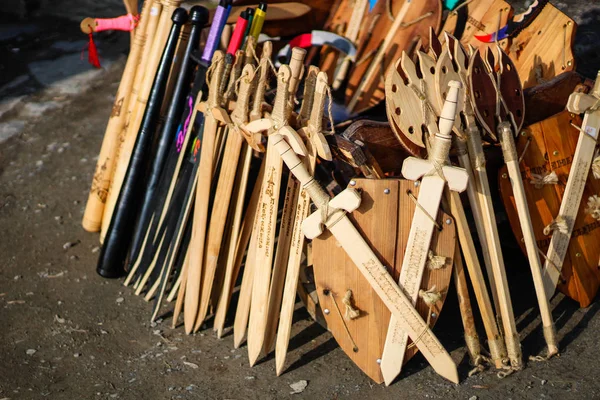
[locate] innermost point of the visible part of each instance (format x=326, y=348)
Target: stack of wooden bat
x=211, y=159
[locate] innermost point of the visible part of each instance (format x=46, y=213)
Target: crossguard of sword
x=239, y=115
x=270, y=126
x=277, y=121
x=580, y=103
x=415, y=168
x=330, y=210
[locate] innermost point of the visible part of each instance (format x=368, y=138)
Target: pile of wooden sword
x=194, y=204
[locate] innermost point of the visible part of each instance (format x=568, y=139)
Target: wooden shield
x=543, y=49
x=384, y=220
x=421, y=15
x=480, y=18
x=551, y=147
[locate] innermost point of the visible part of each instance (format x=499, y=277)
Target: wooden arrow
x=376, y=62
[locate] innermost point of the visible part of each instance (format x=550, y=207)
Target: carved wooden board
x=384, y=220
x=551, y=148
x=543, y=49
x=481, y=18
x=422, y=15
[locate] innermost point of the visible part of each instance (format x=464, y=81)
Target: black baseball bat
x=118, y=236
x=198, y=18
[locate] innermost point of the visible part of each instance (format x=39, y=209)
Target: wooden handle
x=316, y=115
x=215, y=79
x=297, y=167
x=240, y=113
x=443, y=139
x=297, y=69
x=280, y=108
x=256, y=112
x=309, y=92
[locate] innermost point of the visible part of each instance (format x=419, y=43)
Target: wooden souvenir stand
x=548, y=151
x=384, y=219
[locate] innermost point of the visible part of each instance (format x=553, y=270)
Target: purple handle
x=215, y=34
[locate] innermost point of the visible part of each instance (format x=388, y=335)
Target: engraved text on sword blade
x=390, y=293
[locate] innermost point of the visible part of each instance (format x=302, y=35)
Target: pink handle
x=122, y=23
x=238, y=35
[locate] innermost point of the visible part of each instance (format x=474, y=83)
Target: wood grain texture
x=384, y=220
x=549, y=98
x=483, y=17
x=94, y=209
x=543, y=49
x=375, y=27
x=552, y=146
x=223, y=193
x=157, y=32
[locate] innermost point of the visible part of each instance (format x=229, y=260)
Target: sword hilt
x=443, y=139
x=296, y=165
x=347, y=201
x=259, y=96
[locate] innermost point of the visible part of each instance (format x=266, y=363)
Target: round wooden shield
x=384, y=220
x=550, y=147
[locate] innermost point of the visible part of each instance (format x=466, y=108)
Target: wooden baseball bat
x=149, y=32
x=92, y=216
x=158, y=44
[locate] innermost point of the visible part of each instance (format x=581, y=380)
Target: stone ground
x=68, y=334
